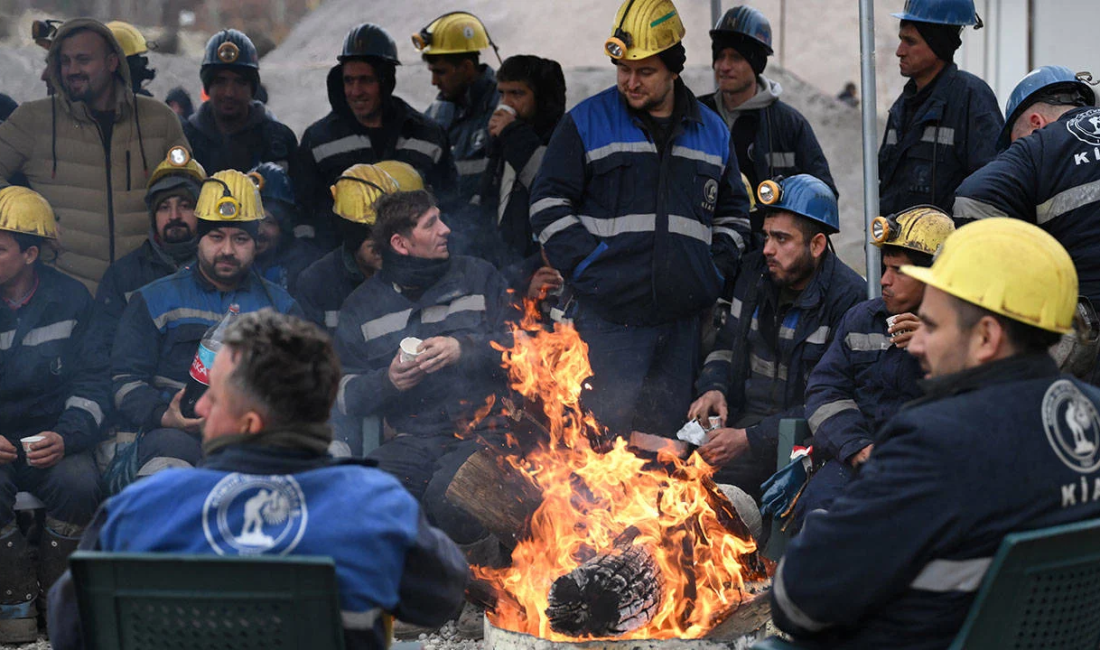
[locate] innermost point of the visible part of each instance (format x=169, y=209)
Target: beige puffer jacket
x=57, y=144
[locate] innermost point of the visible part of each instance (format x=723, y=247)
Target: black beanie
x=942, y=39
x=753, y=52
x=250, y=227
x=674, y=58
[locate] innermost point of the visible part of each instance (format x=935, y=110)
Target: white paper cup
x=409, y=346
x=890, y=323
x=506, y=108
x=30, y=440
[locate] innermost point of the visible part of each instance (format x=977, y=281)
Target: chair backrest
x=1042, y=590
x=792, y=431
x=170, y=602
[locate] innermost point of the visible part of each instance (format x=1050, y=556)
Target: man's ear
x=252, y=423
x=988, y=340
x=30, y=256
x=818, y=244
x=399, y=244
x=112, y=62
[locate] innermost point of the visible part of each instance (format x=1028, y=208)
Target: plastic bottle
x=199, y=378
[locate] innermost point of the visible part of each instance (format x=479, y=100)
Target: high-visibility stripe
x=732, y=234
x=429, y=149
x=826, y=411
x=383, y=325
x=183, y=313
x=945, y=134
x=360, y=620
x=781, y=158
x=820, y=336
x=952, y=575
x=695, y=154
x=620, y=147
x=332, y=319
x=159, y=463
x=767, y=368
x=343, y=145
x=720, y=355
x=1066, y=200
x=166, y=382
x=86, y=405
x=858, y=342
x=527, y=174
x=125, y=390
x=438, y=313
x=786, y=332
x=546, y=204
x=678, y=225
x=735, y=308
x=556, y=227
x=6, y=339
x=793, y=612
x=471, y=167
x=341, y=401
x=304, y=232
x=967, y=208
x=619, y=225
x=54, y=332
x=891, y=136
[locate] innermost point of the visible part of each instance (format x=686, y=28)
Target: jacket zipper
x=110, y=194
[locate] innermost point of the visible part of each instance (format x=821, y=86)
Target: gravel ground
x=40, y=644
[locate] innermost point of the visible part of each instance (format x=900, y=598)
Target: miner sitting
x=430, y=393
x=164, y=322
x=264, y=433
x=787, y=302
x=1000, y=443
x=867, y=374
x=53, y=393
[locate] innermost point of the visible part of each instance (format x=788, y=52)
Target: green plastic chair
x=132, y=601
x=1042, y=590
x=791, y=431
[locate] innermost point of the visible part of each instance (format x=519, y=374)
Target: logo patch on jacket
x=247, y=514
x=1086, y=127
x=710, y=194
x=1072, y=426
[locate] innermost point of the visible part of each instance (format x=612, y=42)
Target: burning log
x=609, y=595
x=496, y=494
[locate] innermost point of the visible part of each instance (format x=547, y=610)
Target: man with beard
x=867, y=374
x=232, y=130
x=770, y=137
x=639, y=205
x=367, y=124
x=280, y=256
x=89, y=149
x=787, y=303
x=164, y=322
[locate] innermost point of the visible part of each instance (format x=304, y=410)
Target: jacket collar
x=263, y=459
x=1003, y=371
x=815, y=290
x=206, y=285
x=203, y=119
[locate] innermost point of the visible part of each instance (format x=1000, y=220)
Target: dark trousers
x=70, y=489
x=641, y=376
x=824, y=487
x=163, y=448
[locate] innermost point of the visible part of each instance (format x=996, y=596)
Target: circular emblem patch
x=1072, y=426
x=1086, y=127
x=247, y=514
x=228, y=52
x=710, y=191
x=468, y=32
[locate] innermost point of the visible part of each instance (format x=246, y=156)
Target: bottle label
x=200, y=366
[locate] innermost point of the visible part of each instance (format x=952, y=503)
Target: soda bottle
x=199, y=377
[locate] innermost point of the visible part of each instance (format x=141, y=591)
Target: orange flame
x=590, y=498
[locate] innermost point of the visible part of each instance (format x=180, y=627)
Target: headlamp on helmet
x=257, y=179
x=178, y=156
x=618, y=43
x=227, y=207
x=769, y=192
x=884, y=229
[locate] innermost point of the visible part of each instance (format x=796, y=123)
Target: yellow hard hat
x=644, y=28
x=748, y=190
x=178, y=161
x=128, y=37
x=408, y=179
x=922, y=229
x=454, y=33
x=1009, y=267
x=26, y=211
x=229, y=195
x=357, y=189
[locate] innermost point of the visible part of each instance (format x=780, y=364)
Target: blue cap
x=941, y=12
x=1034, y=83
x=746, y=21
x=276, y=183
x=807, y=197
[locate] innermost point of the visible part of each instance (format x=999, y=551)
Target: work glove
x=782, y=490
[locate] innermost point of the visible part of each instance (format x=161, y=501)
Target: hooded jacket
x=338, y=141
x=97, y=191
x=263, y=139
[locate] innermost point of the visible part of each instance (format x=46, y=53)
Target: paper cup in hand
x=410, y=349
x=506, y=108
x=29, y=441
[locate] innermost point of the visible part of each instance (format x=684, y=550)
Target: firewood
x=499, y=496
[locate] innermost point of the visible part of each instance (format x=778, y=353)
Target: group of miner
x=370, y=271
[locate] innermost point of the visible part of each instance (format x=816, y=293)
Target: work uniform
x=897, y=560
x=390, y=562
x=262, y=139
x=1047, y=179
x=861, y=382
x=468, y=303
x=643, y=232
x=765, y=353
x=52, y=380
x=324, y=286
x=935, y=138
x=771, y=138
x=283, y=267
x=156, y=342
x=467, y=127
x=338, y=141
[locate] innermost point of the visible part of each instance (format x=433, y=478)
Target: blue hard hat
x=803, y=195
x=942, y=12
x=274, y=183
x=746, y=21
x=1047, y=79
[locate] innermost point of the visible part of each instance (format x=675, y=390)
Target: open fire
x=655, y=532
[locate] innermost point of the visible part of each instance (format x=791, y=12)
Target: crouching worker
x=53, y=392
x=431, y=393
x=264, y=435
